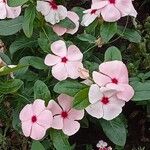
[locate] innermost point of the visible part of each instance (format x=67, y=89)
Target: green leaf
x=29, y=17
x=36, y=145
x=41, y=91
x=108, y=30
x=113, y=53
x=15, y=3
x=87, y=38
x=67, y=23
x=142, y=91
x=9, y=69
x=21, y=43
x=5, y=58
x=115, y=130
x=60, y=141
x=10, y=86
x=129, y=34
x=81, y=100
x=69, y=87
x=10, y=27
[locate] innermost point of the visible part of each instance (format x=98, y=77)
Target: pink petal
x=107, y=92
x=65, y=101
x=52, y=17
x=73, y=69
x=2, y=11
x=74, y=114
x=51, y=60
x=70, y=127
x=99, y=4
x=37, y=132
x=13, y=12
x=59, y=48
x=95, y=110
x=26, y=128
x=125, y=91
x=57, y=122
x=95, y=94
x=100, y=79
x=59, y=71
x=115, y=69
x=54, y=107
x=74, y=54
x=59, y=30
x=45, y=119
x=110, y=13
x=62, y=11
x=111, y=111
x=38, y=106
x=26, y=113
x=114, y=100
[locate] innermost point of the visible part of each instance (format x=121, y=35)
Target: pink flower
x=89, y=16
x=65, y=62
x=35, y=119
x=8, y=12
x=64, y=115
x=52, y=12
x=104, y=103
x=113, y=10
x=103, y=145
x=114, y=75
x=61, y=30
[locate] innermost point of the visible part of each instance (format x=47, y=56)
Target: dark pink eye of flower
x=64, y=60
x=64, y=114
x=34, y=119
x=105, y=100
x=112, y=1
x=114, y=80
x=93, y=11
x=53, y=5
x=4, y=1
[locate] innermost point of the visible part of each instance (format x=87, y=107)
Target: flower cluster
x=103, y=145
x=36, y=118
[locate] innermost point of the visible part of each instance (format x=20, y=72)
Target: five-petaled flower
x=35, y=119
x=8, y=12
x=52, y=12
x=66, y=62
x=61, y=30
x=64, y=116
x=114, y=75
x=104, y=103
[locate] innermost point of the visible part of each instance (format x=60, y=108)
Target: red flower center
x=64, y=114
x=34, y=119
x=93, y=11
x=64, y=60
x=114, y=80
x=112, y=1
x=105, y=100
x=53, y=5
x=4, y=1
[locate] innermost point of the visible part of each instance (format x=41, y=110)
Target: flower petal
x=3, y=12
x=95, y=110
x=26, y=128
x=62, y=12
x=59, y=71
x=57, y=122
x=45, y=119
x=65, y=101
x=95, y=94
x=110, y=13
x=99, y=4
x=114, y=100
x=74, y=114
x=37, y=132
x=59, y=30
x=59, y=48
x=51, y=60
x=70, y=127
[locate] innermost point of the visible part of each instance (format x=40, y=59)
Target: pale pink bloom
x=89, y=16
x=114, y=75
x=64, y=116
x=61, y=30
x=35, y=119
x=65, y=62
x=101, y=144
x=104, y=103
x=52, y=12
x=83, y=73
x=113, y=10
x=8, y=12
